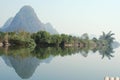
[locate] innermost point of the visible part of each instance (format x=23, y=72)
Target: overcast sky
x=70, y=16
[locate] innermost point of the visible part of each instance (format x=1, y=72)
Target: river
x=57, y=64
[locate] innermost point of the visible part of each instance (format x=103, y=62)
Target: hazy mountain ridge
x=26, y=20
x=49, y=28
x=7, y=23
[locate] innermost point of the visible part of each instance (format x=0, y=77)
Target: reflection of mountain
x=7, y=61
x=47, y=60
x=26, y=62
x=24, y=67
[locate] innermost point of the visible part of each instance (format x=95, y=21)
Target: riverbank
x=1, y=44
x=4, y=44
x=45, y=39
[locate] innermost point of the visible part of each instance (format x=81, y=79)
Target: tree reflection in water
x=25, y=60
x=106, y=49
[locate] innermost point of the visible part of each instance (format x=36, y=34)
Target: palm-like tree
x=108, y=37
x=106, y=40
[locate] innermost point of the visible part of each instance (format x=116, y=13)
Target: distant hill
x=49, y=28
x=26, y=20
x=7, y=23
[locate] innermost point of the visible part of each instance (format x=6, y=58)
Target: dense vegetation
x=41, y=38
x=20, y=39
x=45, y=39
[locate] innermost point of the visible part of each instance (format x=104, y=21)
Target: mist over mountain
x=49, y=28
x=7, y=23
x=26, y=20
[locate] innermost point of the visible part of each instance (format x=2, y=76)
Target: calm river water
x=57, y=64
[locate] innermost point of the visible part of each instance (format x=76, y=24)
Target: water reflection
x=25, y=60
x=24, y=67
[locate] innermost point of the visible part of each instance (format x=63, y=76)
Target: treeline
x=41, y=38
x=17, y=39
x=45, y=39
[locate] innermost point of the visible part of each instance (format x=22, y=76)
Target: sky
x=70, y=16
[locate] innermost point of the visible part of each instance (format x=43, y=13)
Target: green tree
x=56, y=39
x=41, y=37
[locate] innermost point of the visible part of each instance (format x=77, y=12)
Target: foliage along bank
x=44, y=39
